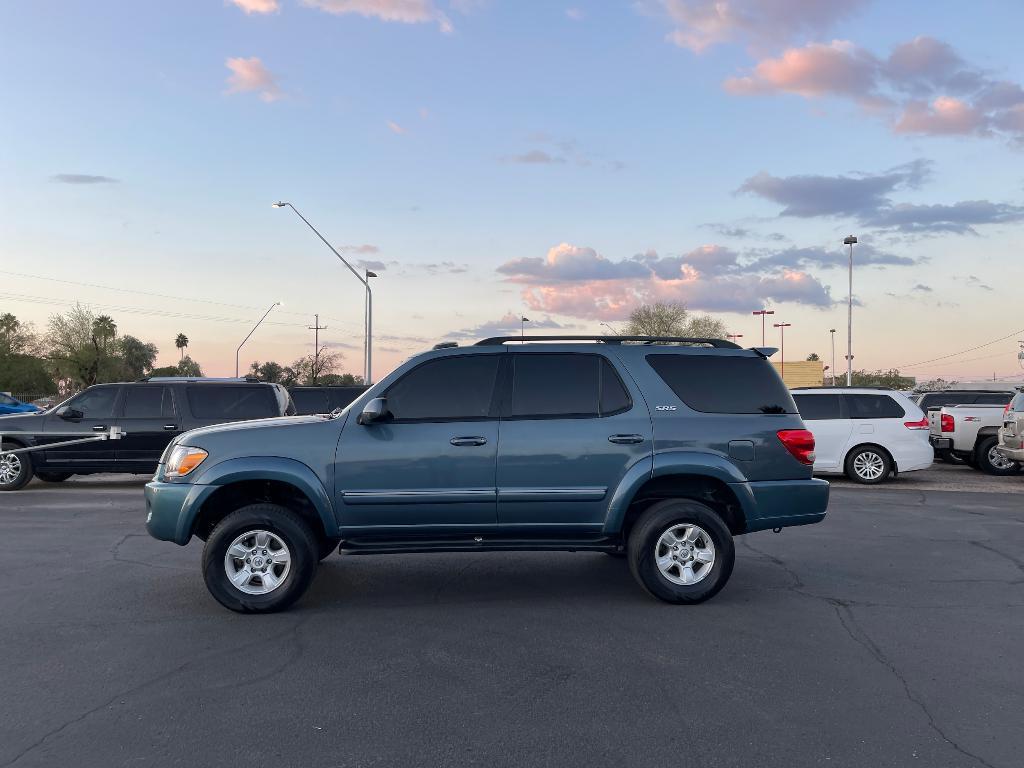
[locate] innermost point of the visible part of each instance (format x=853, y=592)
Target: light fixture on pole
x=237, y=351
x=782, y=345
x=850, y=241
x=367, y=319
x=762, y=313
x=832, y=332
x=523, y=320
x=614, y=332
x=733, y=336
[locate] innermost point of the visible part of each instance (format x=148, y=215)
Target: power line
x=963, y=351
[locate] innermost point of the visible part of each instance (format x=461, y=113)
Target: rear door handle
x=468, y=441
x=99, y=428
x=625, y=439
x=170, y=427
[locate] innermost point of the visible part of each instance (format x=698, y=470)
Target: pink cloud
x=250, y=76
x=395, y=127
x=258, y=6
x=403, y=11
x=813, y=71
x=944, y=116
x=701, y=24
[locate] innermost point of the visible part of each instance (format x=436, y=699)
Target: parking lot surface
x=888, y=635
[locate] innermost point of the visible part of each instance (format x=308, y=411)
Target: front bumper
x=171, y=508
x=783, y=503
x=941, y=443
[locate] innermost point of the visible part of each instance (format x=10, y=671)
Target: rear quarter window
x=873, y=407
x=232, y=403
x=724, y=383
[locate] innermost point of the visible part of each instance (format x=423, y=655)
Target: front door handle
x=468, y=441
x=99, y=428
x=170, y=427
x=625, y=439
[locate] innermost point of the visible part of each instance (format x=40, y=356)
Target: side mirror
x=70, y=414
x=373, y=411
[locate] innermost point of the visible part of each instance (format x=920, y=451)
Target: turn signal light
x=947, y=422
x=922, y=424
x=800, y=443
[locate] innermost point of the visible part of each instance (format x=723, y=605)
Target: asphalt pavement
x=888, y=635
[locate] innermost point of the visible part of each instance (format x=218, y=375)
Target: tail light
x=800, y=443
x=946, y=420
x=1006, y=410
x=922, y=424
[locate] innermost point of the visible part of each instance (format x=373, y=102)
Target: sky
x=492, y=159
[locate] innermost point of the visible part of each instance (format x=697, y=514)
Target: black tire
x=327, y=546
x=873, y=459
x=983, y=457
x=970, y=460
x=53, y=477
x=293, y=531
x=646, y=535
x=20, y=463
x=948, y=457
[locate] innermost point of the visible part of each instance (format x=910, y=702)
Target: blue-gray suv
x=659, y=450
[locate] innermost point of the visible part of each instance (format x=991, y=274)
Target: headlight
x=183, y=460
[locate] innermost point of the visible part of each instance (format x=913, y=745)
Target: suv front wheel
x=260, y=559
x=15, y=469
x=681, y=552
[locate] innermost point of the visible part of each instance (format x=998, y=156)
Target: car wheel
x=680, y=551
x=327, y=546
x=259, y=559
x=15, y=469
x=53, y=477
x=989, y=460
x=868, y=465
x=948, y=457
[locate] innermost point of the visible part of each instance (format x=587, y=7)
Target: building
x=802, y=373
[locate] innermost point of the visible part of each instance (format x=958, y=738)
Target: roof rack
x=446, y=345
x=246, y=379
x=716, y=343
x=844, y=386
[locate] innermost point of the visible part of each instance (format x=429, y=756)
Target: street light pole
x=523, y=320
x=832, y=332
x=850, y=241
x=367, y=319
x=733, y=336
x=762, y=313
x=782, y=345
x=614, y=332
x=275, y=304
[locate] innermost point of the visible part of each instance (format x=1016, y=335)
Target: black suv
x=150, y=413
x=315, y=399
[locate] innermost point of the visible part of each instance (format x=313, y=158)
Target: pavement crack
x=1015, y=560
x=859, y=636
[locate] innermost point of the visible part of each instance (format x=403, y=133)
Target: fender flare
x=677, y=462
x=230, y=471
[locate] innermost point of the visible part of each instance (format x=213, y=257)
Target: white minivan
x=865, y=433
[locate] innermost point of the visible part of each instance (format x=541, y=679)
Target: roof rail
x=246, y=379
x=716, y=343
x=446, y=345
x=851, y=386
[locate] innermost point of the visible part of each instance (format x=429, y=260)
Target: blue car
x=9, y=404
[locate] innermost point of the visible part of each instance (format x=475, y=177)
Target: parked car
x=10, y=405
x=313, y=399
x=1011, y=434
x=971, y=432
x=865, y=433
x=964, y=394
x=151, y=413
x=658, y=453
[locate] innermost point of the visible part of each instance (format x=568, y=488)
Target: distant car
x=971, y=433
x=933, y=401
x=1011, y=434
x=10, y=404
x=866, y=434
x=151, y=413
x=311, y=400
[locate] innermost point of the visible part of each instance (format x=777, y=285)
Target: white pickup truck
x=971, y=432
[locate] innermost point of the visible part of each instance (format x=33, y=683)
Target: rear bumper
x=941, y=443
x=782, y=503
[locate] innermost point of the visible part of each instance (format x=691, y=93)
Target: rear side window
x=309, y=401
x=993, y=398
x=148, y=402
x=231, y=403
x=873, y=407
x=940, y=399
x=724, y=383
x=565, y=386
x=819, y=407
x=446, y=389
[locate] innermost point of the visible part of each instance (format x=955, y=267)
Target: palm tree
x=181, y=342
x=104, y=327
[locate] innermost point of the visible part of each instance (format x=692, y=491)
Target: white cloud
x=403, y=11
x=250, y=76
x=258, y=6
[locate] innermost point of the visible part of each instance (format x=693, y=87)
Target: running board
x=378, y=546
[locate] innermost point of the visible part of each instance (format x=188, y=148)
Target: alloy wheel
x=685, y=554
x=257, y=562
x=10, y=468
x=868, y=465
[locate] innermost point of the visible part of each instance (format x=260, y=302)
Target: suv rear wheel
x=260, y=559
x=681, y=552
x=868, y=465
x=15, y=469
x=989, y=460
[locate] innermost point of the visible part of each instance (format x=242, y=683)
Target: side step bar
x=370, y=546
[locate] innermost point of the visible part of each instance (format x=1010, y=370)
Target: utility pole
x=316, y=328
x=850, y=241
x=782, y=346
x=523, y=320
x=762, y=313
x=832, y=332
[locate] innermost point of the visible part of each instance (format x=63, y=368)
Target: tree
x=22, y=369
x=104, y=328
x=672, y=319
x=890, y=379
x=310, y=368
x=341, y=380
x=74, y=353
x=18, y=338
x=935, y=385
x=136, y=357
x=181, y=342
x=189, y=367
x=268, y=371
x=813, y=357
